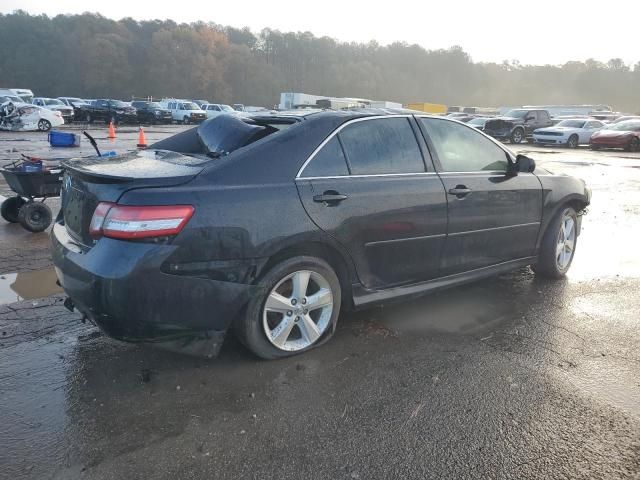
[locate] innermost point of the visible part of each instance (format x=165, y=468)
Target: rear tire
x=555, y=258
x=35, y=217
x=262, y=328
x=10, y=208
x=573, y=141
x=633, y=146
x=517, y=136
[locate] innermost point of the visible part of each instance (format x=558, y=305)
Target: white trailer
x=384, y=104
x=292, y=100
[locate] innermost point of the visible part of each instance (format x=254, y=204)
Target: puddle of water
x=468, y=310
x=15, y=287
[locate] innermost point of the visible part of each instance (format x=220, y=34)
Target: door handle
x=329, y=198
x=460, y=191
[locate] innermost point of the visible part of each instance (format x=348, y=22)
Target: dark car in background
x=625, y=135
x=478, y=122
x=274, y=224
x=151, y=112
x=106, y=110
x=518, y=124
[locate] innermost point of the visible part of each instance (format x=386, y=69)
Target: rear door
x=367, y=185
x=493, y=217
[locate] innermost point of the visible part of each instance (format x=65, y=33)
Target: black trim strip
x=363, y=296
x=399, y=240
x=492, y=229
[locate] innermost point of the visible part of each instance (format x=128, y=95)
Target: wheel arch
x=333, y=255
x=578, y=202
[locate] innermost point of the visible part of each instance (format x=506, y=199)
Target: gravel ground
x=511, y=377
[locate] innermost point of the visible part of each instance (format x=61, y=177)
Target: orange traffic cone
x=142, y=142
x=112, y=131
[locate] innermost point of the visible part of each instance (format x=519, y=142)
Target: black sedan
x=274, y=224
x=152, y=112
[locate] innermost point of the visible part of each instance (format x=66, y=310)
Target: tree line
x=92, y=56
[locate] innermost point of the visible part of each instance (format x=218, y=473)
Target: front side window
x=382, y=146
x=464, y=149
x=328, y=162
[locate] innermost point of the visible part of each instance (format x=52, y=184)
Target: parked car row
x=117, y=111
x=537, y=126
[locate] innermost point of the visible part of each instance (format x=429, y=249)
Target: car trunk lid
x=89, y=181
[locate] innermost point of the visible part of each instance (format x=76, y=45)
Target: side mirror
x=522, y=164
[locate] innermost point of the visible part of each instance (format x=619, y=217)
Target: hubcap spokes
x=298, y=310
x=566, y=242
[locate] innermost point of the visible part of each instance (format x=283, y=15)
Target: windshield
x=154, y=105
x=226, y=108
x=53, y=101
x=571, y=123
x=477, y=121
x=190, y=106
x=517, y=113
x=633, y=126
x=9, y=98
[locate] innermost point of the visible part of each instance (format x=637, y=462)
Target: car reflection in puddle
x=16, y=287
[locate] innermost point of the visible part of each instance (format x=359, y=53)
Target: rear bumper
x=120, y=286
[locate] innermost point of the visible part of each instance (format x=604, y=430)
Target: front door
x=493, y=217
x=368, y=187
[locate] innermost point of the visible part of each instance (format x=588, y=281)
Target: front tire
x=573, y=141
x=35, y=217
x=186, y=120
x=296, y=309
x=517, y=136
x=558, y=245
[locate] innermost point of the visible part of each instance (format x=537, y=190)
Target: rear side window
x=464, y=149
x=328, y=162
x=379, y=146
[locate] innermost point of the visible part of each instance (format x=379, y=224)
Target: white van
x=184, y=111
x=24, y=93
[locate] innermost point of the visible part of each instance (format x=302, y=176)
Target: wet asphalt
x=511, y=377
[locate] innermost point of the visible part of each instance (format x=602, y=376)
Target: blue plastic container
x=63, y=139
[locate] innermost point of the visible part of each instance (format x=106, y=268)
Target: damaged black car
x=275, y=224
x=517, y=125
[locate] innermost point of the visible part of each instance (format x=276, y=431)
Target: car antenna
x=93, y=142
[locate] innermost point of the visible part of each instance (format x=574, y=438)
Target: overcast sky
x=538, y=32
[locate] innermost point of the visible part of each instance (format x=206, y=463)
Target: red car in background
x=624, y=135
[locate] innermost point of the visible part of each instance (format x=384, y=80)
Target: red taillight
x=130, y=222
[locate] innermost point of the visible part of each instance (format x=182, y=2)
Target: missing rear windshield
x=222, y=135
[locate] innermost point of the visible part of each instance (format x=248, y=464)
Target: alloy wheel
x=566, y=242
x=517, y=136
x=298, y=310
